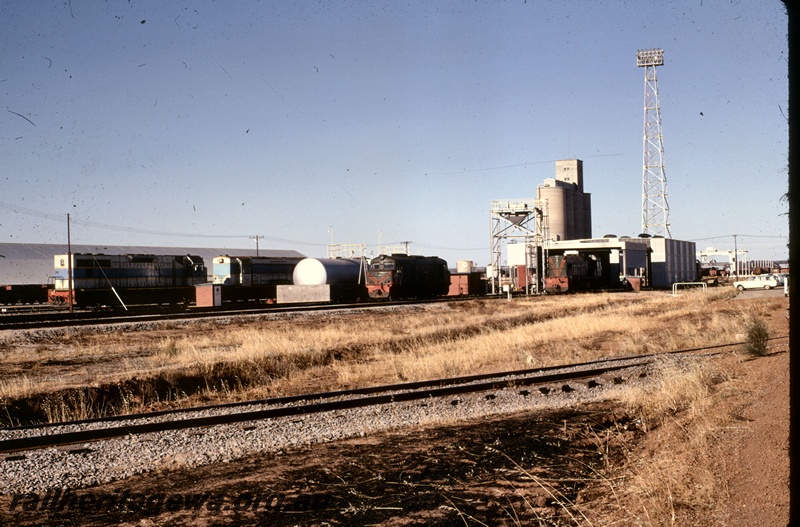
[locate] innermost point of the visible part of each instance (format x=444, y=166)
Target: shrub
x=757, y=336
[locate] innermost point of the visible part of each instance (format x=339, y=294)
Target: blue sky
x=202, y=123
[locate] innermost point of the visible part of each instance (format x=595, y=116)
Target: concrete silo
x=569, y=208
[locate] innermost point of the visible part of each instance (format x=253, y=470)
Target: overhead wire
x=86, y=223
x=739, y=235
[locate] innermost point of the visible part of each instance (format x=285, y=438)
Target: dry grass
x=580, y=333
x=683, y=408
x=687, y=406
x=234, y=358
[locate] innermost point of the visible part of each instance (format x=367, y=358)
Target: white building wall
x=672, y=261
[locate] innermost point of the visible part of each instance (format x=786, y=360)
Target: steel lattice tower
x=655, y=209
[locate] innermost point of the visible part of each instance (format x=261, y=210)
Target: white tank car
x=327, y=271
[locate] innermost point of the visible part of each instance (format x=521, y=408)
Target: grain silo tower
x=569, y=207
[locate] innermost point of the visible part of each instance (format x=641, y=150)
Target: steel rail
x=85, y=318
x=316, y=396
x=370, y=390
x=85, y=436
x=399, y=393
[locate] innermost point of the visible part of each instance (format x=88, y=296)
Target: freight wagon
x=323, y=280
x=467, y=284
x=24, y=294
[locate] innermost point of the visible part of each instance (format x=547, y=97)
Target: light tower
x=655, y=209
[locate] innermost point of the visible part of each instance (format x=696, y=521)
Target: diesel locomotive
x=569, y=272
x=400, y=276
x=252, y=278
x=123, y=279
x=146, y=279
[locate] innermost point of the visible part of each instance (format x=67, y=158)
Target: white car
x=763, y=281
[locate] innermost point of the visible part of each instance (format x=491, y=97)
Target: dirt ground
x=510, y=471
x=549, y=468
x=757, y=475
x=758, y=478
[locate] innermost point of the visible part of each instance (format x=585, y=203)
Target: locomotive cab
x=380, y=277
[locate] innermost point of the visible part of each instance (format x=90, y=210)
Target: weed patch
x=757, y=335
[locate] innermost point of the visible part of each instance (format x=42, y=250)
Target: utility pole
x=256, y=238
x=69, y=264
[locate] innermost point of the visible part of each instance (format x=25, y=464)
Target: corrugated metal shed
x=32, y=263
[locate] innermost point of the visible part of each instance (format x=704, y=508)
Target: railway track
x=71, y=455
x=25, y=321
x=590, y=374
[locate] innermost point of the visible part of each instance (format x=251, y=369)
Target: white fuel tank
x=327, y=271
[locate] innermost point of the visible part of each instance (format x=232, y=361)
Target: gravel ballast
x=83, y=465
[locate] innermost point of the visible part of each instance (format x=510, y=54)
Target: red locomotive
x=570, y=272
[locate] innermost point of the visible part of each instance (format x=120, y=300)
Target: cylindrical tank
x=557, y=211
x=330, y=271
x=464, y=266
